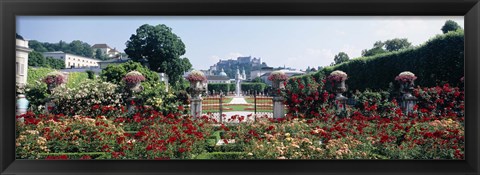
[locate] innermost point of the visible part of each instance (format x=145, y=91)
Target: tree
x=397, y=44
x=161, y=48
x=36, y=59
x=99, y=55
x=114, y=73
x=340, y=58
x=450, y=26
x=37, y=46
x=377, y=49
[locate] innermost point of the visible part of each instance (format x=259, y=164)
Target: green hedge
x=75, y=78
x=222, y=155
x=217, y=87
x=252, y=87
x=440, y=60
x=93, y=155
x=37, y=74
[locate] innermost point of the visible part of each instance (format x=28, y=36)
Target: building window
x=68, y=64
x=21, y=69
x=61, y=57
x=17, y=68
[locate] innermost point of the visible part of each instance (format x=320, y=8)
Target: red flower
x=181, y=150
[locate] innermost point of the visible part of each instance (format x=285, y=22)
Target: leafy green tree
x=397, y=44
x=450, y=26
x=99, y=55
x=339, y=58
x=257, y=80
x=37, y=46
x=162, y=50
x=377, y=49
x=115, y=73
x=75, y=47
x=55, y=63
x=36, y=59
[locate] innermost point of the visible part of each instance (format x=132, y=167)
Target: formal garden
x=409, y=104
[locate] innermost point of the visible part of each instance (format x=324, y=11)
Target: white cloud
x=351, y=50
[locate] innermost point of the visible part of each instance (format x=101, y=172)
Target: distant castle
x=225, y=64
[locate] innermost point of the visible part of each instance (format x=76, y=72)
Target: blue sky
x=296, y=42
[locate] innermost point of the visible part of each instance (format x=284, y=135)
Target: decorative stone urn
x=278, y=79
x=53, y=80
x=22, y=106
x=337, y=78
x=408, y=101
x=198, y=85
x=133, y=85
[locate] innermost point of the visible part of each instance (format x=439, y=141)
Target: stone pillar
x=196, y=89
x=278, y=106
x=132, y=89
x=196, y=106
x=340, y=100
x=408, y=101
x=49, y=105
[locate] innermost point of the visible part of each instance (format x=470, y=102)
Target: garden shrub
x=114, y=73
x=306, y=95
x=76, y=78
x=217, y=87
x=85, y=98
x=156, y=95
x=91, y=74
x=82, y=156
x=253, y=87
x=438, y=61
x=167, y=137
x=221, y=155
x=58, y=134
x=37, y=74
x=36, y=94
x=442, y=101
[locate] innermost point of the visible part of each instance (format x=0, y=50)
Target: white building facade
x=21, y=61
x=73, y=61
x=106, y=50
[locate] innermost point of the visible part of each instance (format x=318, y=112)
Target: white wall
x=21, y=61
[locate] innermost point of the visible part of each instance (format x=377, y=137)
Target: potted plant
x=53, y=80
x=278, y=78
x=337, y=78
x=197, y=80
x=406, y=80
x=133, y=79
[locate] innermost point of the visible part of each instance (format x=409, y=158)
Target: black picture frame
x=470, y=9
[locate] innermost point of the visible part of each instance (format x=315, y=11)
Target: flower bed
x=377, y=129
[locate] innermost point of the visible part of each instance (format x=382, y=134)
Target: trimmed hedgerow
x=221, y=155
x=252, y=87
x=217, y=87
x=438, y=61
